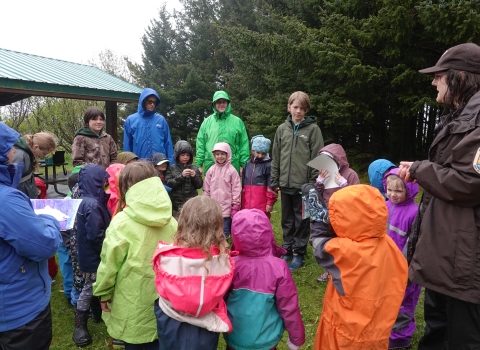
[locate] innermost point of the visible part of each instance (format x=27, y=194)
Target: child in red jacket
x=256, y=187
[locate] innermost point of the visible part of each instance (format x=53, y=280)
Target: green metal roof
x=23, y=75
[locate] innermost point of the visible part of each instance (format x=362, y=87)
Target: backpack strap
x=26, y=177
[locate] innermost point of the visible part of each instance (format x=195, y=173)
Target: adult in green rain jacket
x=125, y=275
x=222, y=126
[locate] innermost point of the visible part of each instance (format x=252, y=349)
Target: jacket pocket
x=13, y=269
x=464, y=257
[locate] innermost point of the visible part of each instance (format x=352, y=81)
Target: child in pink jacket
x=222, y=183
x=262, y=301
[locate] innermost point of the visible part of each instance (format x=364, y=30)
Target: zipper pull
x=22, y=269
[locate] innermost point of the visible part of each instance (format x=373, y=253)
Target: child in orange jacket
x=368, y=271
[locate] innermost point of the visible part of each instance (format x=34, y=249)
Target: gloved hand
x=235, y=209
x=292, y=346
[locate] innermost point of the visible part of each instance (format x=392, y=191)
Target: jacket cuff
x=413, y=169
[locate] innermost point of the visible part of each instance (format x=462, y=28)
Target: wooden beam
x=112, y=123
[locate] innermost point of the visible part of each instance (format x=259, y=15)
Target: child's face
x=220, y=157
x=297, y=111
x=96, y=124
x=259, y=155
x=396, y=192
x=184, y=158
x=161, y=168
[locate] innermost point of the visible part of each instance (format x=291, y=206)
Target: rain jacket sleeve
x=34, y=237
x=275, y=170
x=174, y=177
x=287, y=306
x=168, y=142
x=236, y=187
x=455, y=183
x=114, y=253
x=206, y=183
x=200, y=147
x=243, y=146
x=128, y=137
x=197, y=179
x=78, y=150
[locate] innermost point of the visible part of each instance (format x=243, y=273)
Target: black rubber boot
x=80, y=336
x=96, y=310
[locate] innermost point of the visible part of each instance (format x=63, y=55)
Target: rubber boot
x=96, y=310
x=81, y=336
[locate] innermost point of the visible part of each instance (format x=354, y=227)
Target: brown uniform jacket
x=447, y=255
x=90, y=148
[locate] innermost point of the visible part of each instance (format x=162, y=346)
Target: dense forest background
x=357, y=60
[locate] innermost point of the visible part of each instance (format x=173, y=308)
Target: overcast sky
x=77, y=31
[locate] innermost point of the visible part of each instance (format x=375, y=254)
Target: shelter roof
x=23, y=75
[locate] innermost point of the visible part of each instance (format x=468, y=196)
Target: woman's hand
x=104, y=306
x=404, y=171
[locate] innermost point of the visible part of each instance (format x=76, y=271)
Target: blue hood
x=145, y=93
x=376, y=169
x=10, y=174
x=91, y=181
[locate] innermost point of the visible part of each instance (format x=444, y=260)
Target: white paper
x=64, y=211
x=324, y=162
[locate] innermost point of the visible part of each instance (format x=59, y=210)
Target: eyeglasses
x=151, y=102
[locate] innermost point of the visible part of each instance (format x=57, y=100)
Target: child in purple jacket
x=401, y=213
x=263, y=299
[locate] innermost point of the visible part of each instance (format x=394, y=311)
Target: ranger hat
x=465, y=57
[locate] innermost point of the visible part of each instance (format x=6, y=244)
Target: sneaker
x=287, y=257
x=297, y=262
x=323, y=277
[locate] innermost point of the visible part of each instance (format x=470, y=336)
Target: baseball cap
x=465, y=57
x=163, y=161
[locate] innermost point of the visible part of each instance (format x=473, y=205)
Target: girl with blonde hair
x=192, y=276
x=29, y=149
x=125, y=280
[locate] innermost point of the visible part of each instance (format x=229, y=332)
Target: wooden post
x=111, y=123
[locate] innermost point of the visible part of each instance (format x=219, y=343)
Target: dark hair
x=461, y=86
x=90, y=113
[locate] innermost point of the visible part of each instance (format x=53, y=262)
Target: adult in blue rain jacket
x=147, y=132
x=27, y=240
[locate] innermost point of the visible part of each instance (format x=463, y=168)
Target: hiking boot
x=297, y=262
x=287, y=257
x=81, y=336
x=96, y=310
x=323, y=277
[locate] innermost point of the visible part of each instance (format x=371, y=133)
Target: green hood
x=22, y=144
x=216, y=96
x=88, y=132
x=148, y=203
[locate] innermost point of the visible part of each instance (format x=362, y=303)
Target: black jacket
x=183, y=188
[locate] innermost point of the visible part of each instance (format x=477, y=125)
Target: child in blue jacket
x=93, y=218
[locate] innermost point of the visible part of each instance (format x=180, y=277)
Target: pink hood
x=252, y=234
x=112, y=170
x=224, y=147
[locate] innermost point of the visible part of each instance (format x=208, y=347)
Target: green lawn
x=310, y=296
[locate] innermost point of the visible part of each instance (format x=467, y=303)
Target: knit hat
x=464, y=57
x=260, y=144
x=125, y=157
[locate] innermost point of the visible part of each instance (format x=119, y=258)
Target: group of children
x=202, y=289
